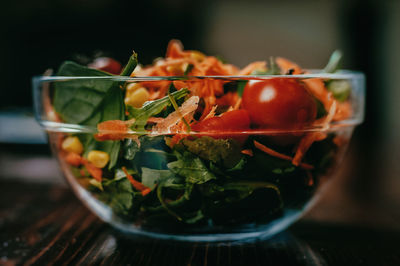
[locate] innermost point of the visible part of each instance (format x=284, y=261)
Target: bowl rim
x=52, y=126
x=314, y=73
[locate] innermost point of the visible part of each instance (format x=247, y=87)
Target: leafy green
x=188, y=69
x=273, y=69
x=340, y=89
x=151, y=177
x=241, y=84
x=152, y=108
x=191, y=167
x=78, y=100
x=91, y=101
x=119, y=195
x=334, y=62
x=262, y=166
x=224, y=152
x=181, y=201
x=130, y=149
x=130, y=66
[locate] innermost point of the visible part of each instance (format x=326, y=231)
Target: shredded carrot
x=73, y=159
x=276, y=154
x=259, y=65
x=76, y=160
x=343, y=112
x=174, y=62
x=285, y=65
x=306, y=142
x=94, y=171
x=136, y=184
x=155, y=119
x=111, y=130
x=248, y=152
x=310, y=179
x=146, y=191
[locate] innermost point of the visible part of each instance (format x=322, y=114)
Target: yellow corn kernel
x=72, y=144
x=98, y=158
x=137, y=98
x=175, y=69
x=131, y=87
x=196, y=55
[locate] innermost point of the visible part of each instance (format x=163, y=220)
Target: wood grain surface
x=44, y=224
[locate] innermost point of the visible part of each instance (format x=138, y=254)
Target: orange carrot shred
x=136, y=184
x=273, y=153
x=310, y=179
x=248, y=152
x=111, y=130
x=285, y=65
x=94, y=171
x=73, y=159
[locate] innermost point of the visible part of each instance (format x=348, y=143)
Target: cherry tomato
x=279, y=104
x=229, y=122
x=106, y=64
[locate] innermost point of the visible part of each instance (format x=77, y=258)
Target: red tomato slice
x=279, y=103
x=229, y=125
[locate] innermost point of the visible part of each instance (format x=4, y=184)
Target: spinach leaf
x=78, y=100
x=180, y=200
x=119, y=195
x=224, y=152
x=91, y=101
x=264, y=167
x=130, y=149
x=152, y=108
x=151, y=177
x=191, y=167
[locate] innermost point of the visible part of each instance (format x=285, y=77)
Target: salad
x=206, y=144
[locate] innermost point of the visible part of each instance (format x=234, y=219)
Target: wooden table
x=45, y=224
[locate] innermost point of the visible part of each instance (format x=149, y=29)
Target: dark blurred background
x=40, y=34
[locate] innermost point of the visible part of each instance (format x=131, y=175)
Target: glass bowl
x=193, y=185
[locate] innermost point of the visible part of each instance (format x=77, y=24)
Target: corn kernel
x=98, y=158
x=137, y=98
x=72, y=144
x=175, y=69
x=196, y=55
x=131, y=87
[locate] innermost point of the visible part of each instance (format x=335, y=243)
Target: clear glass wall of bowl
x=205, y=186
